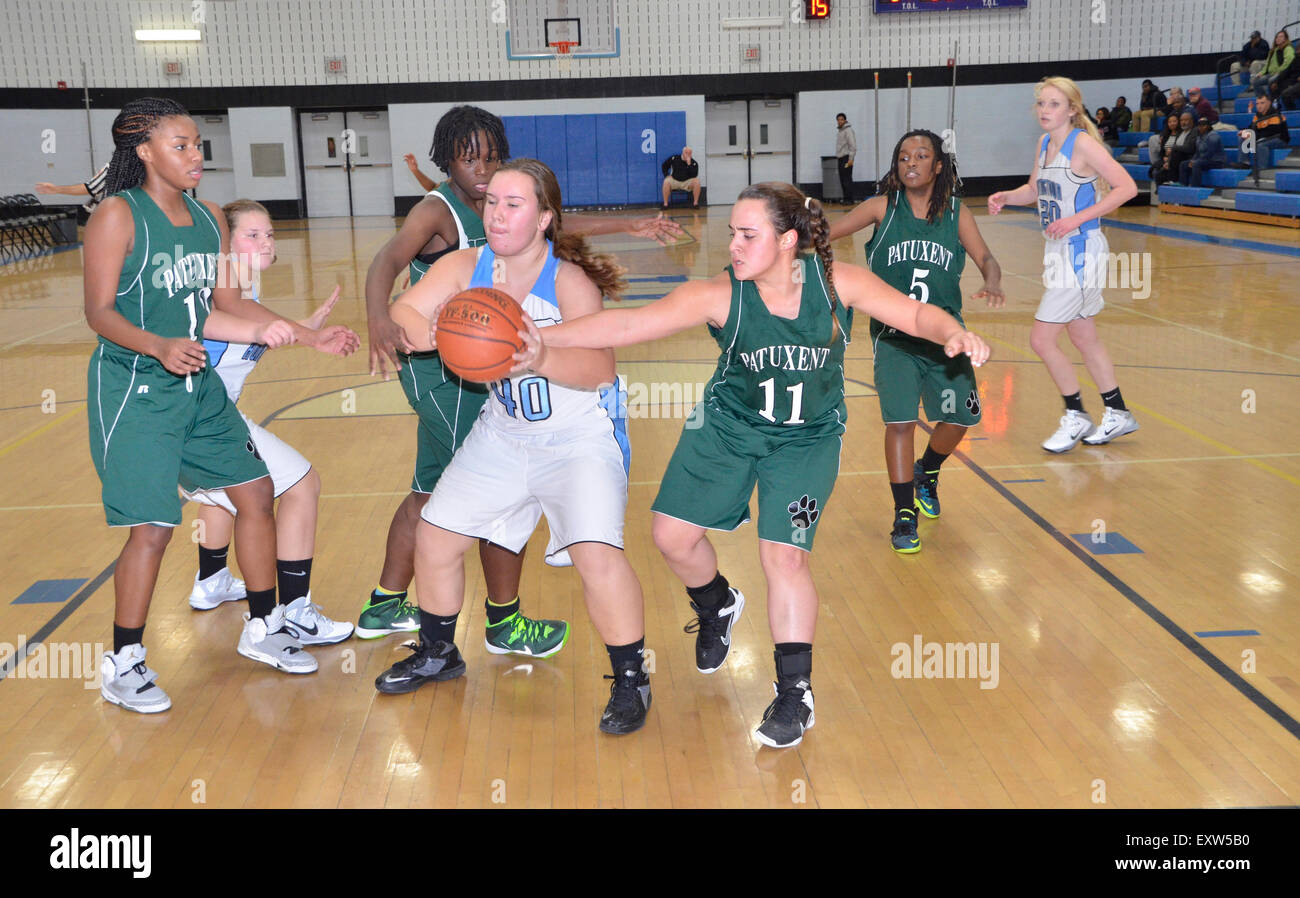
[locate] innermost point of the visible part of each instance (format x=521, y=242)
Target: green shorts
x=148, y=433
x=447, y=409
x=716, y=465
x=910, y=373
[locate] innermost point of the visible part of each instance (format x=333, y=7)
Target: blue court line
x=1278, y=249
x=1111, y=543
x=48, y=591
x=1234, y=679
x=54, y=251
x=659, y=278
x=1210, y=634
x=11, y=663
x=973, y=439
x=1027, y=480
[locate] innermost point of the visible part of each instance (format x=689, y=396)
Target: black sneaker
x=789, y=715
x=713, y=627
x=629, y=700
x=426, y=664
x=904, y=538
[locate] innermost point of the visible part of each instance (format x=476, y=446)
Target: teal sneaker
x=904, y=537
x=521, y=635
x=927, y=491
x=384, y=615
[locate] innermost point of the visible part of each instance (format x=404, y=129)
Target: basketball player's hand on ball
x=992, y=294
x=316, y=320
x=181, y=356
x=971, y=344
x=275, y=334
x=997, y=201
x=663, y=231
x=531, y=357
x=386, y=338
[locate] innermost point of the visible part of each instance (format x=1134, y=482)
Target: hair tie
x=807, y=202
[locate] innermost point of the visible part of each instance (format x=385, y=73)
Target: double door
x=749, y=141
x=347, y=163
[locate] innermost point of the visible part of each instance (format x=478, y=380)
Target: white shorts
x=498, y=486
x=1074, y=273
x=285, y=464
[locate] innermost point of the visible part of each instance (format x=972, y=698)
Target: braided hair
x=133, y=126
x=946, y=179
x=603, y=269
x=457, y=133
x=789, y=209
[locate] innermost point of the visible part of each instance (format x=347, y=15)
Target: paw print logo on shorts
x=973, y=402
x=803, y=513
x=253, y=449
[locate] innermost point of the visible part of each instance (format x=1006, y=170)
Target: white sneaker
x=311, y=626
x=1114, y=423
x=272, y=642
x=221, y=587
x=127, y=681
x=1072, y=429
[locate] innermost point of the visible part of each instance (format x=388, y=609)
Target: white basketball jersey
x=233, y=362
x=1062, y=193
x=531, y=404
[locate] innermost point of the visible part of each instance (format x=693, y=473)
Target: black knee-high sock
x=793, y=662
x=211, y=561
x=437, y=627
x=904, y=498
x=124, y=636
x=1114, y=400
x=293, y=578
x=931, y=461
x=711, y=594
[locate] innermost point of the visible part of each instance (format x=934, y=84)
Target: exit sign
x=335, y=65
x=749, y=54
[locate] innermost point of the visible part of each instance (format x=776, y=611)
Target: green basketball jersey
x=166, y=282
x=468, y=225
x=917, y=258
x=778, y=374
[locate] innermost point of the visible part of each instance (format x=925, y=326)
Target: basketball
x=478, y=332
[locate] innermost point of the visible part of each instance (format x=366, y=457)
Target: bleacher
x=1276, y=200
x=28, y=228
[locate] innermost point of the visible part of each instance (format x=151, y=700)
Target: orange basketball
x=478, y=332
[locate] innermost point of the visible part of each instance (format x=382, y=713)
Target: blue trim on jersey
x=1078, y=256
x=217, y=348
x=1085, y=197
x=613, y=399
x=1067, y=148
x=543, y=289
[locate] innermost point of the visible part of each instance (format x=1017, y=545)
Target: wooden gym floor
x=1111, y=689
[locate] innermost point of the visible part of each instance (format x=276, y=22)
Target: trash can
x=831, y=178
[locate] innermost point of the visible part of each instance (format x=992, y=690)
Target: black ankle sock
x=622, y=655
x=293, y=578
x=711, y=594
x=931, y=461
x=211, y=561
x=497, y=613
x=124, y=636
x=435, y=627
x=1114, y=400
x=793, y=661
x=903, y=496
x=1073, y=402
x=261, y=602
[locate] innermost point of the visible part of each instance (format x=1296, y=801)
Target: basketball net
x=562, y=56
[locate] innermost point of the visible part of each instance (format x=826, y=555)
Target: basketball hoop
x=562, y=53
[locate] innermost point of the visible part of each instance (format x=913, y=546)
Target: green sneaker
x=521, y=635
x=387, y=614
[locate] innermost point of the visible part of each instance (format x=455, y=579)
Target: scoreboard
x=937, y=5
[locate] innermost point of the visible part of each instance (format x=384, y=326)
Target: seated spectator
x=1279, y=58
x=1268, y=130
x=1181, y=149
x=1106, y=125
x=1284, y=90
x=1178, y=103
x=1251, y=60
x=1122, y=115
x=1209, y=154
x=682, y=173
x=1151, y=105
x=1202, y=107
x=1160, y=147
